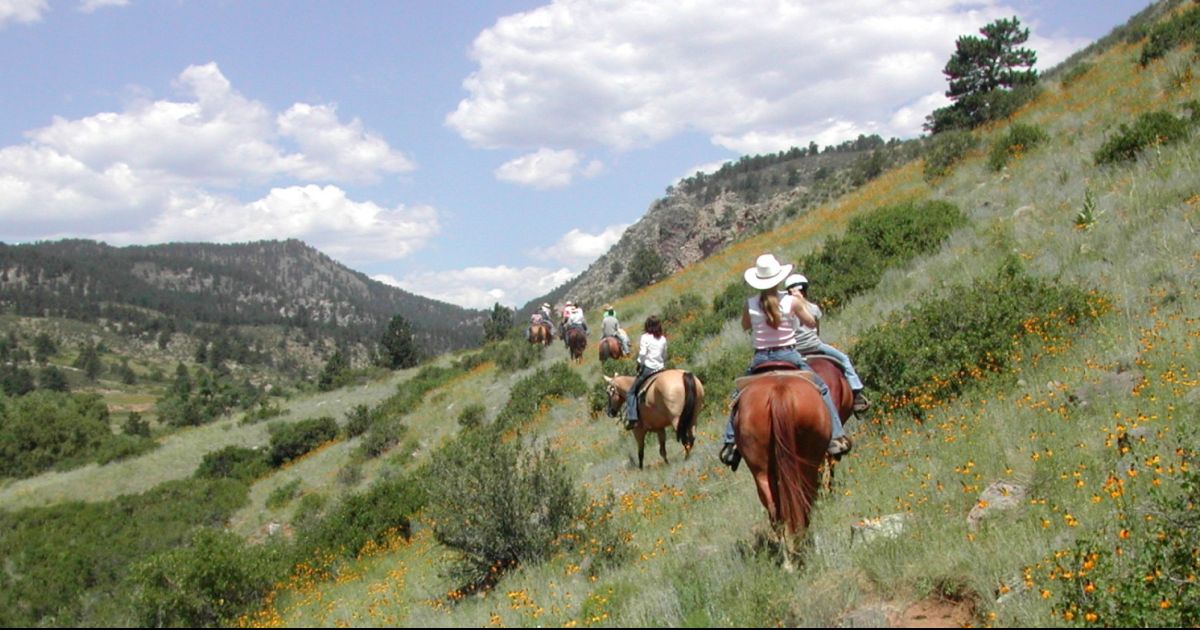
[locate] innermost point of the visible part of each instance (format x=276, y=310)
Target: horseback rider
x=769, y=316
x=540, y=318
x=652, y=357
x=611, y=327
x=573, y=317
x=808, y=340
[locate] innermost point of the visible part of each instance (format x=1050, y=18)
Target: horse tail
x=796, y=485
x=604, y=350
x=687, y=419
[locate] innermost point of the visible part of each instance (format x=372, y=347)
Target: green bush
x=885, y=238
x=383, y=434
x=1076, y=73
x=234, y=462
x=515, y=354
x=945, y=150
x=358, y=420
x=681, y=308
x=1150, y=129
x=289, y=441
x=384, y=509
x=69, y=564
x=45, y=429
x=934, y=350
x=472, y=416
x=529, y=393
x=1019, y=139
x=1165, y=36
x=283, y=495
x=497, y=506
x=206, y=584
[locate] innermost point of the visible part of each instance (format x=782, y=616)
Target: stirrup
x=860, y=402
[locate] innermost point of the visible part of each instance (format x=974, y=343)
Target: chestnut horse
x=540, y=333
x=782, y=431
x=830, y=371
x=610, y=348
x=576, y=343
x=673, y=399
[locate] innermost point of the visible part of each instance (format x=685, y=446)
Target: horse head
x=616, y=395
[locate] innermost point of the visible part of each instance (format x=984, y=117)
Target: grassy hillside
x=1087, y=419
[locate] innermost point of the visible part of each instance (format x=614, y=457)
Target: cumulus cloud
x=754, y=76
x=547, y=168
x=173, y=170
x=23, y=11
x=90, y=6
x=481, y=287
x=323, y=216
x=577, y=248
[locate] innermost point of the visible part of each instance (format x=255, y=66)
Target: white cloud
x=174, y=170
x=23, y=11
x=547, y=168
x=754, y=76
x=90, y=6
x=481, y=287
x=577, y=248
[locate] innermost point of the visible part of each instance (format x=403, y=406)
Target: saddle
x=773, y=369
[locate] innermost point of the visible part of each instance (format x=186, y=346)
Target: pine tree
x=989, y=77
x=398, y=348
x=498, y=325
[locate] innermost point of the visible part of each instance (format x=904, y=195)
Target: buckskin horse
x=540, y=333
x=673, y=398
x=610, y=348
x=782, y=431
x=576, y=343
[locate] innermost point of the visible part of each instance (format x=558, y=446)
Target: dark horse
x=782, y=431
x=540, y=333
x=673, y=399
x=576, y=342
x=610, y=348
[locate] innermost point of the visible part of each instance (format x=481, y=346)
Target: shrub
x=358, y=420
x=931, y=352
x=1184, y=27
x=1019, y=139
x=44, y=429
x=233, y=462
x=530, y=392
x=204, y=584
x=945, y=150
x=384, y=433
x=289, y=441
x=1150, y=129
x=386, y=508
x=283, y=495
x=681, y=308
x=888, y=237
x=1076, y=73
x=498, y=506
x=472, y=416
x=515, y=354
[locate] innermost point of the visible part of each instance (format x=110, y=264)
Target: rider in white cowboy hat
x=808, y=340
x=769, y=317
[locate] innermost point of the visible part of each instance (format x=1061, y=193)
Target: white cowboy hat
x=766, y=272
x=796, y=279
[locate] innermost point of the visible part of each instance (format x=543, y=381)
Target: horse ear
x=607, y=379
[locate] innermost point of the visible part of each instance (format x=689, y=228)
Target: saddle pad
x=641, y=393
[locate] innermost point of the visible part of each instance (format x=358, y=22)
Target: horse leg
x=762, y=482
x=662, y=444
x=640, y=434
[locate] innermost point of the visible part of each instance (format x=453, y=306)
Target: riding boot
x=860, y=401
x=730, y=456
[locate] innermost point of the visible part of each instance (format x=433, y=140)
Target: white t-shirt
x=764, y=335
x=652, y=351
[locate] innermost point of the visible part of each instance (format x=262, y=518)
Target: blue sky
x=472, y=152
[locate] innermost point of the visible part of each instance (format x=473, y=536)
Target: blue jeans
x=631, y=410
x=790, y=355
x=851, y=376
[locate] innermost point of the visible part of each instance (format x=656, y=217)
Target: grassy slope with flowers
x=691, y=526
x=692, y=529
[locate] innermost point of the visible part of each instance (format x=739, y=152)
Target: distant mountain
x=705, y=213
x=264, y=283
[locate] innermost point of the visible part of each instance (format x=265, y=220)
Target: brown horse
x=673, y=399
x=782, y=431
x=576, y=343
x=610, y=348
x=540, y=334
x=839, y=388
